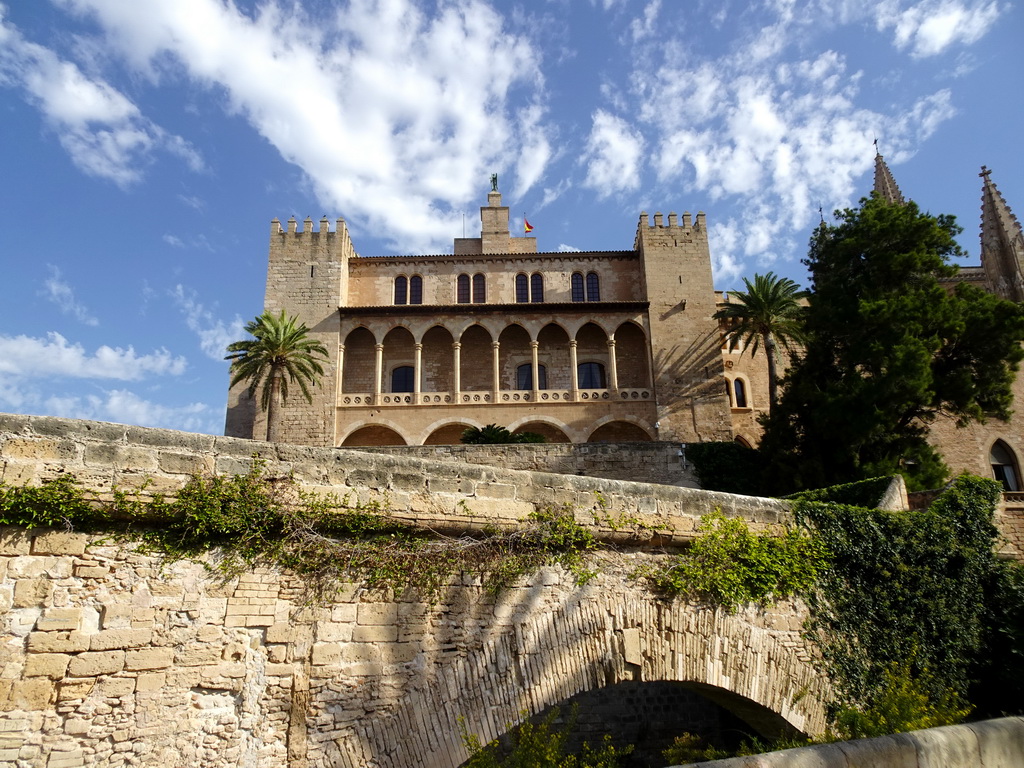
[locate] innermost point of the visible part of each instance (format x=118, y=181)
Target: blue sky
x=146, y=145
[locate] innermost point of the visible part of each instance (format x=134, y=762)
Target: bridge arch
x=535, y=652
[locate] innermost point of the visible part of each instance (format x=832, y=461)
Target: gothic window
x=415, y=289
x=479, y=289
x=1004, y=466
x=401, y=290
x=577, y=286
x=462, y=290
x=593, y=287
x=741, y=393
x=536, y=288
x=522, y=289
x=591, y=376
x=524, y=377
x=402, y=378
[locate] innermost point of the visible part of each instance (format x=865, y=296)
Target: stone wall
x=647, y=462
x=113, y=657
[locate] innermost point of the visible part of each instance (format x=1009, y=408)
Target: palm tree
x=769, y=312
x=280, y=353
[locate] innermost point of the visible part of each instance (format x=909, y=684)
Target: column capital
x=379, y=347
x=495, y=345
x=534, y=344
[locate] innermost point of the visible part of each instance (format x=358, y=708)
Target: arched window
x=741, y=393
x=1004, y=466
x=415, y=289
x=577, y=286
x=536, y=287
x=591, y=376
x=593, y=287
x=401, y=290
x=479, y=289
x=402, y=378
x=462, y=290
x=524, y=377
x=522, y=289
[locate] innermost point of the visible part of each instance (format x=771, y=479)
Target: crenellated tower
x=307, y=276
x=676, y=279
x=1002, y=243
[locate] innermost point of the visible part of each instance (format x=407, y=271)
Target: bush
x=725, y=466
x=492, y=434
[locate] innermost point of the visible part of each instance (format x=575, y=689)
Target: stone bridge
x=110, y=656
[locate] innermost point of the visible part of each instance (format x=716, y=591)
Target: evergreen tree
x=768, y=313
x=279, y=353
x=891, y=343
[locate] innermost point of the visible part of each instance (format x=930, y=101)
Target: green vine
x=728, y=565
x=252, y=519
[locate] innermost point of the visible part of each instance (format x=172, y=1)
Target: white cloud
x=99, y=127
x=124, y=407
x=563, y=248
x=214, y=334
x=930, y=27
x=412, y=121
x=61, y=294
x=28, y=357
x=612, y=155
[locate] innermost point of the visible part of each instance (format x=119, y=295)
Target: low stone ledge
x=995, y=743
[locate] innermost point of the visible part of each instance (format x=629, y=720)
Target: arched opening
x=401, y=290
x=591, y=356
x=1004, y=466
x=415, y=289
x=399, y=352
x=359, y=363
x=742, y=441
x=515, y=352
x=449, y=434
x=649, y=715
x=374, y=435
x=551, y=433
x=475, y=360
x=631, y=357
x=524, y=376
x=740, y=391
x=576, y=284
x=462, y=289
x=536, y=288
x=479, y=288
x=522, y=289
x=554, y=353
x=619, y=432
x=591, y=376
x=403, y=379
x=437, y=360
x=593, y=287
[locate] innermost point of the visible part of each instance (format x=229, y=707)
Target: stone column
x=377, y=379
x=341, y=371
x=575, y=388
x=417, y=373
x=535, y=369
x=496, y=369
x=613, y=372
x=457, y=378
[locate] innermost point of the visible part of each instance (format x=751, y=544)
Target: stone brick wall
x=643, y=461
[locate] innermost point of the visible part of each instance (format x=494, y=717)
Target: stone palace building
x=592, y=346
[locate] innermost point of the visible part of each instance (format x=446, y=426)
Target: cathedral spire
x=885, y=184
x=1002, y=242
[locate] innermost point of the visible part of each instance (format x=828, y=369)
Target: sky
x=145, y=147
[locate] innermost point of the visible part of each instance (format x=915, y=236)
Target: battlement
x=307, y=226
x=689, y=227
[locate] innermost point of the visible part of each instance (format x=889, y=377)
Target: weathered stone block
x=69, y=690
x=14, y=541
x=377, y=613
x=109, y=639
x=116, y=687
x=55, y=619
x=58, y=642
x=375, y=634
x=29, y=593
x=51, y=665
x=148, y=658
x=96, y=663
x=150, y=681
x=59, y=543
x=32, y=694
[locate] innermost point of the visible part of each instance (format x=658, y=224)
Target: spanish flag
x=527, y=229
